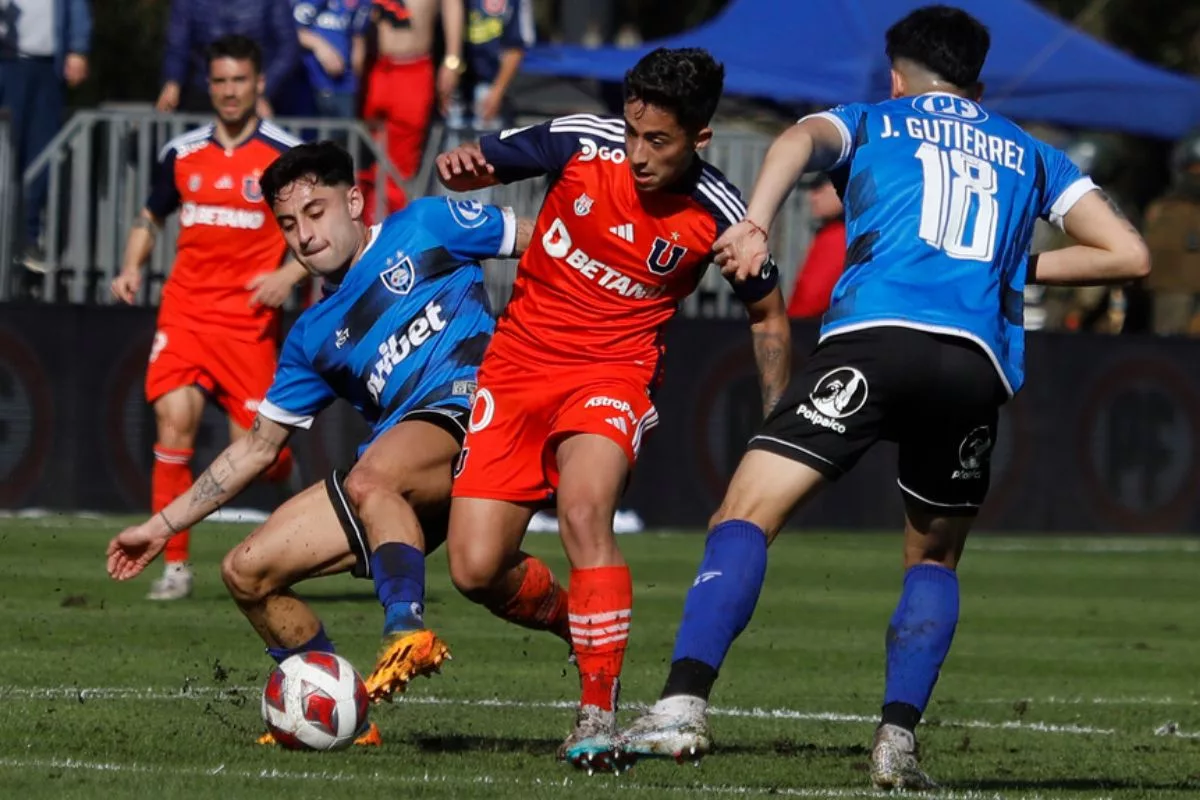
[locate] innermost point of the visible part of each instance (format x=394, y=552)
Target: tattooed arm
x=225, y=478
x=131, y=550
x=1109, y=249
x=772, y=335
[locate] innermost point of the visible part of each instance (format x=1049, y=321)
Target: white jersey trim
x=284, y=417
x=946, y=330
x=1067, y=200
x=508, y=243
x=188, y=138
x=847, y=140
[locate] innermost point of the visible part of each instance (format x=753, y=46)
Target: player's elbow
x=1135, y=257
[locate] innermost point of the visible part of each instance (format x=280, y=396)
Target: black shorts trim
x=936, y=508
x=452, y=420
x=356, y=533
x=795, y=452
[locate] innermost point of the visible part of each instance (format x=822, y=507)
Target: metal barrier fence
x=100, y=168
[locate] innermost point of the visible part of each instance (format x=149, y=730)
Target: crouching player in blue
x=399, y=334
x=922, y=343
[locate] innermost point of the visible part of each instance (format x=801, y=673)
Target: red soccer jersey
x=227, y=235
x=608, y=265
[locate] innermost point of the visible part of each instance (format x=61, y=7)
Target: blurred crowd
x=395, y=62
x=403, y=63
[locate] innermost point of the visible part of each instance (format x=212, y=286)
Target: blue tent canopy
x=831, y=51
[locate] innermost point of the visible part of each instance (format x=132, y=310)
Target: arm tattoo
x=771, y=356
x=147, y=225
x=167, y=522
x=1116, y=209
x=208, y=488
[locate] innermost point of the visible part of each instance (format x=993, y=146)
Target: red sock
x=600, y=604
x=540, y=603
x=281, y=470
x=171, y=477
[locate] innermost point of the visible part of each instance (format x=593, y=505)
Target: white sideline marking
x=209, y=692
x=84, y=695
x=605, y=783
x=1085, y=545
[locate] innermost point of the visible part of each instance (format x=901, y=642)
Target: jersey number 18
x=955, y=185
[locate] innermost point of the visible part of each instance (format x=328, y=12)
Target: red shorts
x=234, y=372
x=401, y=93
x=522, y=412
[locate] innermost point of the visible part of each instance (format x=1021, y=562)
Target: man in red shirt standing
x=826, y=255
x=565, y=391
x=217, y=323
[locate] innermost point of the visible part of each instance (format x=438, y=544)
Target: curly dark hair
x=237, y=47
x=326, y=162
x=947, y=41
x=686, y=81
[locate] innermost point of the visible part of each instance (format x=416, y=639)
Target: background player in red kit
x=217, y=324
x=564, y=392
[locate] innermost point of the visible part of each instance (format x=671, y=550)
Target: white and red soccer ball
x=315, y=701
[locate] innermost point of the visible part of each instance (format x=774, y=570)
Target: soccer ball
x=315, y=701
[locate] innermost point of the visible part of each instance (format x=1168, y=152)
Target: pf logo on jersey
x=251, y=190
x=664, y=256
x=400, y=278
x=467, y=213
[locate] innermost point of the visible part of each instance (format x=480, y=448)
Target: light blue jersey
x=407, y=327
x=941, y=197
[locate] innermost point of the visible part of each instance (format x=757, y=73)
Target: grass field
x=1074, y=674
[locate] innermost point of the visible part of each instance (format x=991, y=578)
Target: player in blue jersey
x=922, y=344
x=399, y=334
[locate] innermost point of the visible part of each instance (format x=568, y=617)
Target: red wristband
x=757, y=227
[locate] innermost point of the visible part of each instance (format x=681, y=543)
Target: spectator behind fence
x=195, y=24
x=400, y=84
x=1172, y=232
x=498, y=33
x=332, y=33
x=42, y=45
x=826, y=256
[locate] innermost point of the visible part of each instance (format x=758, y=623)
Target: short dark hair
x=686, y=81
x=947, y=41
x=326, y=163
x=237, y=47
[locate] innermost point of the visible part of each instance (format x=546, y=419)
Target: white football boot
x=175, y=584
x=894, y=763
x=674, y=727
x=590, y=744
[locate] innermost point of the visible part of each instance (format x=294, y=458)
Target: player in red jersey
x=564, y=395
x=217, y=323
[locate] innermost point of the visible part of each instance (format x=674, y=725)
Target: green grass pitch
x=1073, y=674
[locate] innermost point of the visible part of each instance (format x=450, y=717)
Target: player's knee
x=176, y=428
x=584, y=519
x=474, y=573
x=246, y=577
x=363, y=486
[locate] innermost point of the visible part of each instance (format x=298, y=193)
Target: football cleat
x=403, y=657
x=175, y=584
x=590, y=745
x=674, y=727
x=894, y=763
x=368, y=738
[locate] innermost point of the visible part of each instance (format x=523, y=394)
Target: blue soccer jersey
x=941, y=197
x=407, y=327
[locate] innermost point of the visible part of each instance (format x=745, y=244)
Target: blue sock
x=719, y=605
x=918, y=639
x=319, y=643
x=399, y=571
